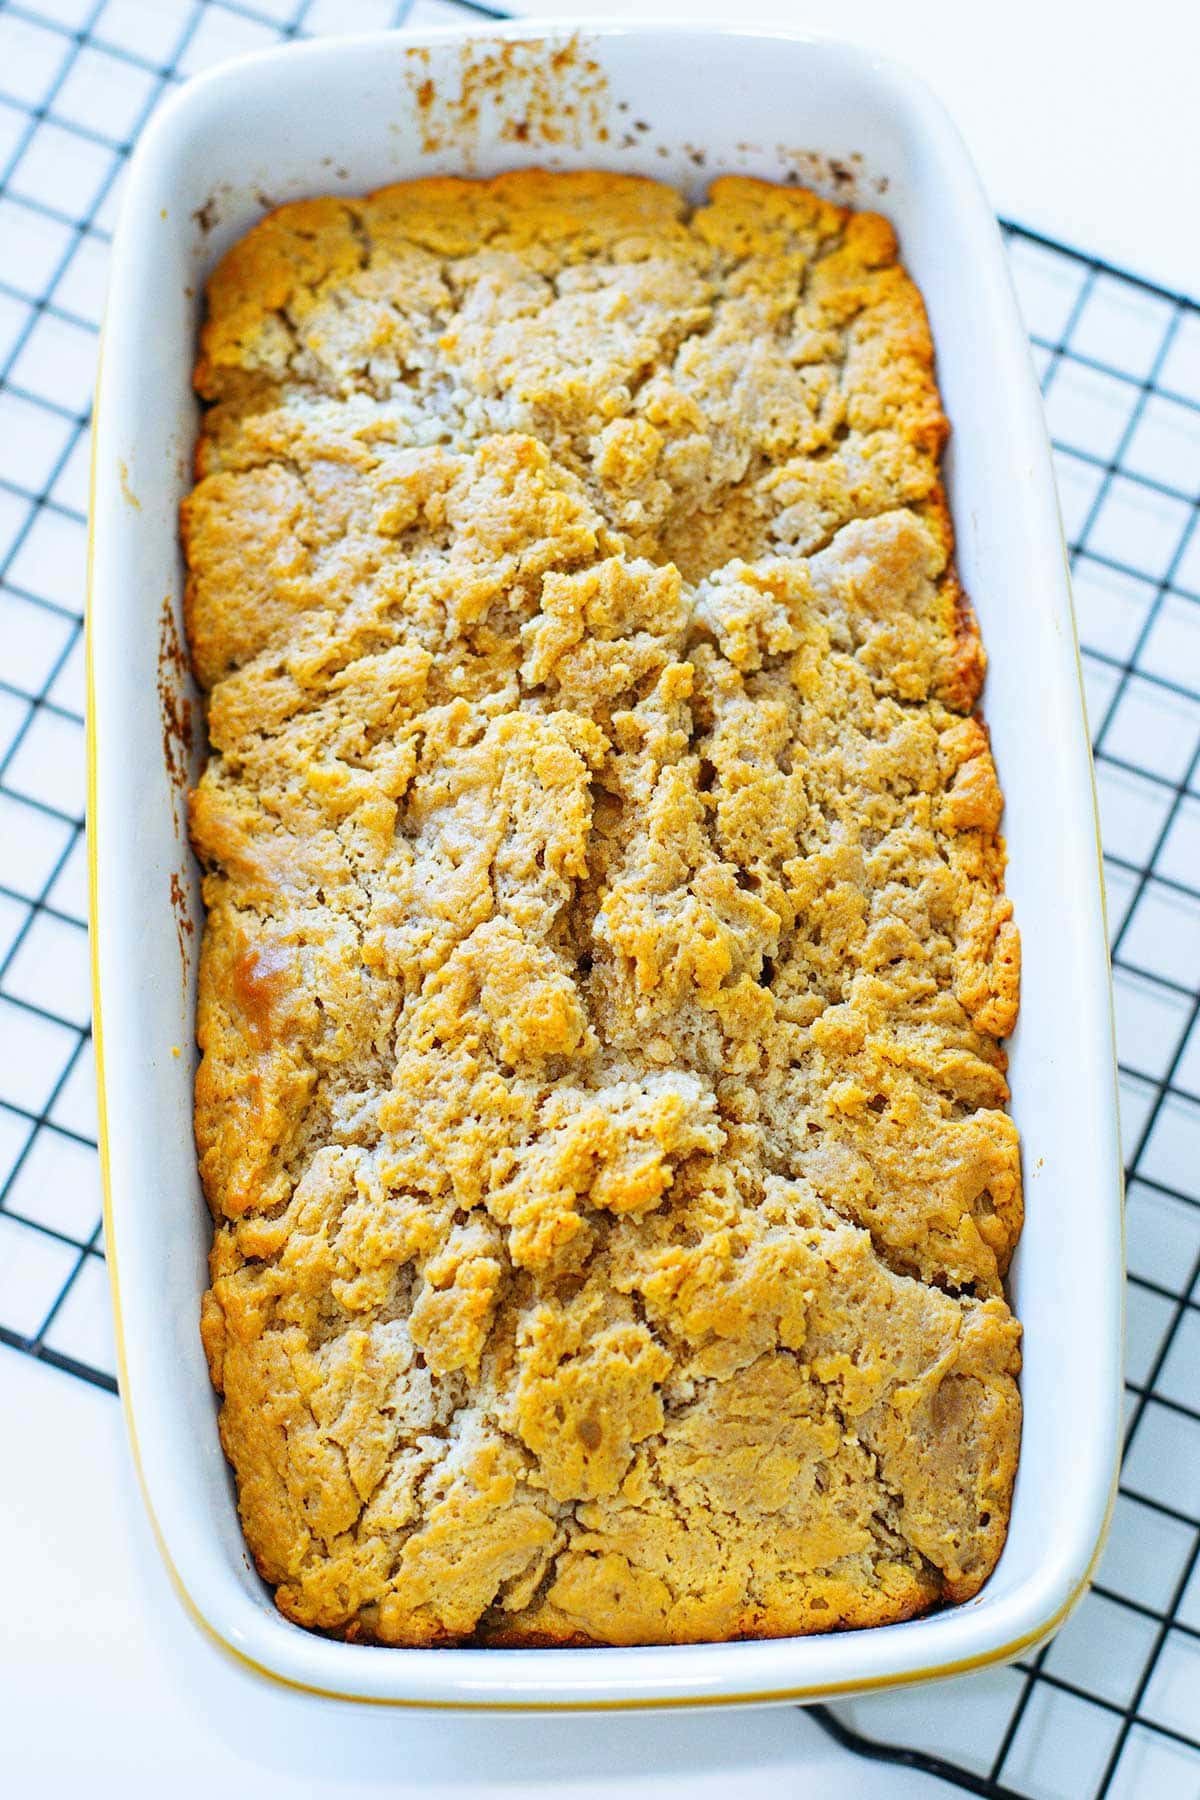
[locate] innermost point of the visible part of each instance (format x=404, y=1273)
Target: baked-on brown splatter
x=555, y=98
x=175, y=713
x=127, y=493
x=175, y=709
x=185, y=926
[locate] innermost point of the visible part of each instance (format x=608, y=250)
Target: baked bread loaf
x=601, y=1100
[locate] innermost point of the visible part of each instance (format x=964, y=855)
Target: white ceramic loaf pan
x=681, y=104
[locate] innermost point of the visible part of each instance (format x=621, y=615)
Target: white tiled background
x=1114, y=1705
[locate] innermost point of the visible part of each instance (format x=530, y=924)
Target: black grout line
x=50, y=1231
x=1143, y=1139
x=1163, y=981
x=56, y=506
x=1058, y=350
x=53, y=606
x=1153, y=612
x=1098, y=264
x=42, y=906
x=1171, y=1089
x=1163, y=1293
x=50, y=706
x=42, y=806
x=43, y=402
x=1114, y=563
x=1107, y=660
x=42, y=1122
x=1181, y=888
x=1176, y=396
x=1132, y=1714
x=57, y=1359
x=1180, y=790
x=31, y=1006
x=1163, y=1189
x=1163, y=1507
x=1113, y=467
x=49, y=308
x=1140, y=1608
x=1131, y=768
x=42, y=1118
x=37, y=1341
x=1179, y=1407
x=36, y=114
x=37, y=701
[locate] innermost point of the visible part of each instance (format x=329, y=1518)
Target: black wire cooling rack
x=1112, y=1706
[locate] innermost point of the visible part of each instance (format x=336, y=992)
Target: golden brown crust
x=601, y=1101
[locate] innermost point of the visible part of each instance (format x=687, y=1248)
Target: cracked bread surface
x=607, y=956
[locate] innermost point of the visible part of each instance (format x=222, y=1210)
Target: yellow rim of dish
x=818, y=1691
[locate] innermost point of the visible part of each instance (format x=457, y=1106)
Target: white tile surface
x=62, y=170
x=80, y=288
x=70, y=489
x=1173, y=1153
x=15, y=314
x=52, y=560
x=1110, y=607
x=57, y=363
x=1104, y=1647
x=13, y=917
x=1151, y=1021
x=36, y=843
x=14, y=515
x=1171, y=1696
x=50, y=969
x=221, y=34
x=48, y=764
x=33, y=1270
x=149, y=29
x=1146, y=1554
x=69, y=893
x=1088, y=410
x=1162, y=1234
x=69, y=687
x=35, y=245
x=75, y=1106
x=58, y=1185
x=33, y=1055
x=1122, y=327
x=32, y=639
x=32, y=441
x=104, y=93
x=1178, y=1379
x=30, y=58
x=1061, y=1748
x=1164, y=935
x=82, y=1325
x=1163, y=1462
x=1148, y=1317
x=1139, y=527
x=1181, y=370
x=15, y=1133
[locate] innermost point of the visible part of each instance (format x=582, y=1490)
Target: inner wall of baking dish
x=682, y=108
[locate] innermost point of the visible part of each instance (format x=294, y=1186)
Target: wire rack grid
x=1112, y=1706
